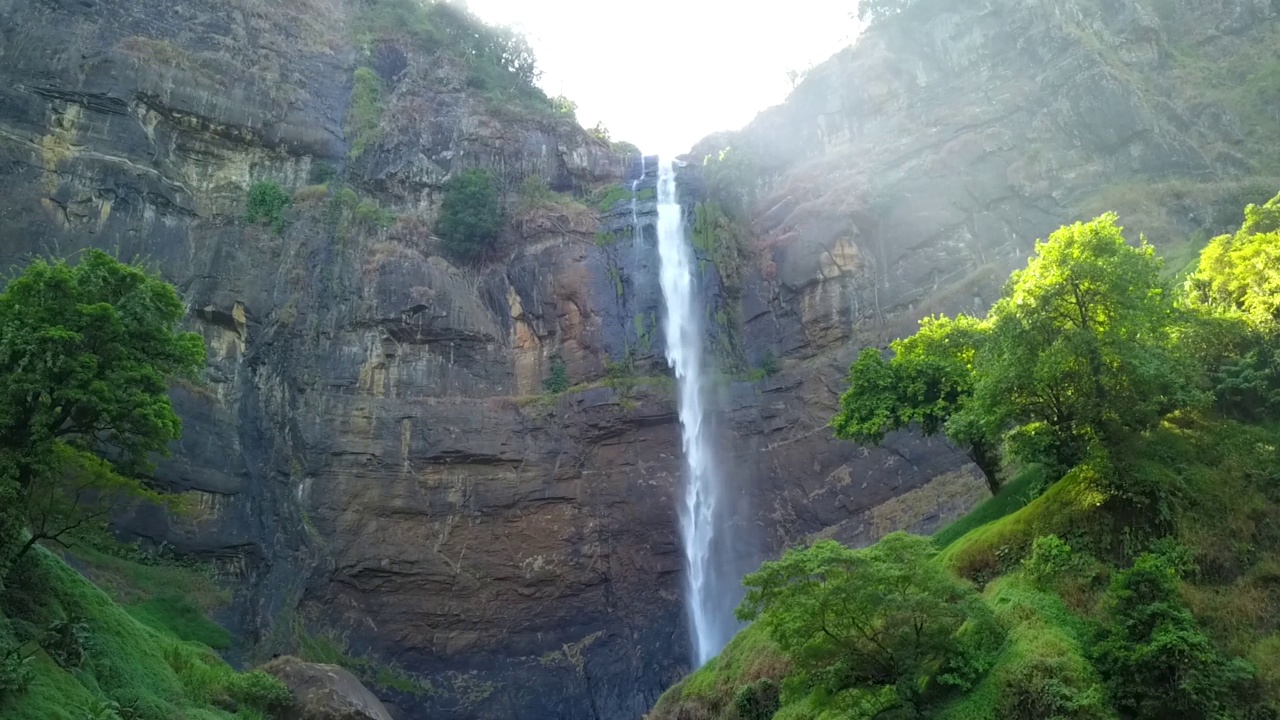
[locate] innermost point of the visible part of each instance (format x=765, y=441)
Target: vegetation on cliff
x=471, y=216
x=87, y=351
x=1127, y=568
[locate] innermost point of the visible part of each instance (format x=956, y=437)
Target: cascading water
x=683, y=328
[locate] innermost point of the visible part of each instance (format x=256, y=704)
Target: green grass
x=1071, y=508
x=168, y=597
x=127, y=661
x=750, y=656
x=613, y=196
x=1042, y=663
x=179, y=617
x=1015, y=494
x=290, y=636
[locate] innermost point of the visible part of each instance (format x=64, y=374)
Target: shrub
x=558, y=380
x=267, y=203
x=759, y=700
x=371, y=215
x=769, y=364
x=561, y=105
x=364, y=117
x=817, y=604
x=1153, y=654
x=66, y=641
x=259, y=690
x=1050, y=557
x=16, y=672
x=471, y=216
x=311, y=193
x=322, y=172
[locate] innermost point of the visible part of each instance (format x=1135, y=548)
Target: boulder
x=325, y=692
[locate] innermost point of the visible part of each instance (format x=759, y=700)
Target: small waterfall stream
x=684, y=333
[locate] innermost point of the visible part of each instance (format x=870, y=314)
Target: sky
x=663, y=74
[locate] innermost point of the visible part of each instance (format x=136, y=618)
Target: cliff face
x=909, y=174
x=375, y=461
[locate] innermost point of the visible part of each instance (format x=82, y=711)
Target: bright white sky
x=663, y=74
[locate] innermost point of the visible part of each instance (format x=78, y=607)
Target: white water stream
x=684, y=339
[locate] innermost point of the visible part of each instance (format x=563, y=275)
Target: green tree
x=601, y=133
x=562, y=105
x=1153, y=654
x=86, y=354
x=881, y=618
x=471, y=216
x=1235, y=291
x=1081, y=348
x=925, y=384
x=1241, y=272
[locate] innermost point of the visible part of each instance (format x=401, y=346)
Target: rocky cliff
x=378, y=469
x=378, y=466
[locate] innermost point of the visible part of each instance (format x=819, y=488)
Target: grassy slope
x=1226, y=479
x=135, y=656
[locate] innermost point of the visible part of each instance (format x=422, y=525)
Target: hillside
x=1126, y=570
x=70, y=651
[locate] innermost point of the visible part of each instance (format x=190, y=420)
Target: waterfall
x=711, y=622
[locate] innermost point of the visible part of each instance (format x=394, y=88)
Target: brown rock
x=325, y=692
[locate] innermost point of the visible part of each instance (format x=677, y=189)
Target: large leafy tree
x=885, y=617
x=1241, y=272
x=1235, y=292
x=1081, y=348
x=927, y=381
x=86, y=354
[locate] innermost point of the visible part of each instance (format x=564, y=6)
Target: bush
x=558, y=380
x=769, y=364
x=371, y=215
x=471, y=216
x=364, y=117
x=266, y=205
x=817, y=604
x=16, y=672
x=1050, y=557
x=759, y=700
x=66, y=642
x=259, y=690
x=1153, y=654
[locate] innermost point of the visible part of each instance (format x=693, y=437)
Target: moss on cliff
x=364, y=117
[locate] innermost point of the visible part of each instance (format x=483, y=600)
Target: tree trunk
x=984, y=456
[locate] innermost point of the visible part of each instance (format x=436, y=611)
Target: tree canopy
x=1081, y=347
x=86, y=355
x=1080, y=350
x=884, y=619
x=925, y=384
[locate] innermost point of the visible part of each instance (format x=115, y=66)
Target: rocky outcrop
x=325, y=692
